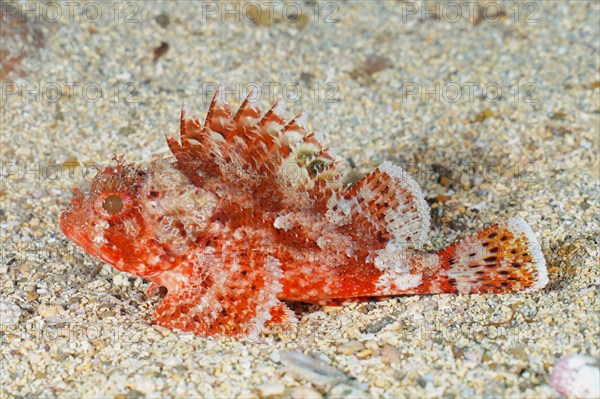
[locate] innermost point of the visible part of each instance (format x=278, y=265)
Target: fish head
x=107, y=221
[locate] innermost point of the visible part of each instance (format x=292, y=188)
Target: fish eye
x=112, y=204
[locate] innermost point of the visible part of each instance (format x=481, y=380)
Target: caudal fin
x=505, y=257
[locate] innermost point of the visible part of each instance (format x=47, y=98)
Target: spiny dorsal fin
x=188, y=123
x=282, y=145
x=263, y=137
x=246, y=142
x=218, y=118
x=274, y=119
x=248, y=114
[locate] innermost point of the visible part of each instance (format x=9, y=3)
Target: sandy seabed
x=494, y=111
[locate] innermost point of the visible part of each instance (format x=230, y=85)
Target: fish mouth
x=69, y=229
x=83, y=241
x=65, y=226
x=70, y=216
x=71, y=233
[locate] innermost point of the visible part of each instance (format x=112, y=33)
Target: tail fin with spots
x=505, y=257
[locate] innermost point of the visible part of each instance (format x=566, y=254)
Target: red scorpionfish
x=251, y=212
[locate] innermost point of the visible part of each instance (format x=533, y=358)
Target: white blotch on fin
x=284, y=222
x=391, y=258
x=341, y=216
x=391, y=282
x=279, y=108
x=273, y=121
x=187, y=111
x=397, y=271
x=320, y=136
x=302, y=120
x=322, y=242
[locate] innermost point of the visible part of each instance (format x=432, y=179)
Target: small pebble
x=364, y=354
x=379, y=325
x=311, y=369
x=271, y=390
x=305, y=393
x=47, y=311
x=9, y=312
x=391, y=355
x=120, y=279
x=347, y=392
x=350, y=348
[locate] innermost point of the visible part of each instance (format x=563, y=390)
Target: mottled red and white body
x=250, y=212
